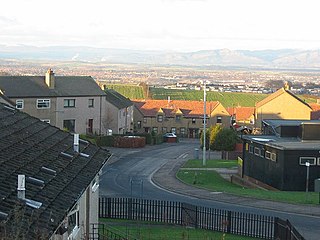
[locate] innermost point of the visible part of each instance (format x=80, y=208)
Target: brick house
x=185, y=118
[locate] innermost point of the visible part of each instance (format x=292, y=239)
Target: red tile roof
x=315, y=114
x=169, y=108
x=242, y=113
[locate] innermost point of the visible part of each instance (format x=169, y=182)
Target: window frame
x=251, y=149
x=139, y=124
x=22, y=103
x=159, y=118
x=155, y=130
x=43, y=103
x=219, y=119
x=69, y=102
x=74, y=124
x=257, y=151
x=91, y=102
x=311, y=164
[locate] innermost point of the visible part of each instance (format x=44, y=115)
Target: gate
x=189, y=215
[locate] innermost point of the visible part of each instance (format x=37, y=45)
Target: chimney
x=50, y=81
x=76, y=142
x=286, y=86
x=21, y=187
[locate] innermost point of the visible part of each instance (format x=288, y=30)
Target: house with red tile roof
x=185, y=118
x=242, y=115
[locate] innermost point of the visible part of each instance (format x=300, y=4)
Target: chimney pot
x=50, y=79
x=21, y=186
x=76, y=142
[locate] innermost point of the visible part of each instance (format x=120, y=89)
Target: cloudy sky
x=180, y=25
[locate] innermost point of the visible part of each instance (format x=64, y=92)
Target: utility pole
x=204, y=124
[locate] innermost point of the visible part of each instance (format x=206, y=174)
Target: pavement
x=165, y=177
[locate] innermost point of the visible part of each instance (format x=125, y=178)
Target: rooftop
x=38, y=150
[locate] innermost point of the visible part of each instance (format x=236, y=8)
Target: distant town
x=175, y=77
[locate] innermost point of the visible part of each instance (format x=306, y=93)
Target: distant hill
x=284, y=58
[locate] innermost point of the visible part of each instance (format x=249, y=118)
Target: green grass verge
x=129, y=91
x=151, y=231
x=211, y=180
x=217, y=163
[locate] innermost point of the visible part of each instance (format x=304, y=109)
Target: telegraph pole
x=204, y=125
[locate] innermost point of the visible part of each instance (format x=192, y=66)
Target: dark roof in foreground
x=117, y=100
x=283, y=143
x=35, y=86
x=31, y=147
x=283, y=122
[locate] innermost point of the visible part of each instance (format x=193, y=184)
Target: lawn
x=152, y=231
x=219, y=163
x=214, y=182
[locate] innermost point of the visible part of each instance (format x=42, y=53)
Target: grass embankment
x=212, y=181
x=129, y=91
x=155, y=231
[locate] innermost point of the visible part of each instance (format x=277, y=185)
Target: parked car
x=169, y=135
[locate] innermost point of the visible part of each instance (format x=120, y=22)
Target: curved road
x=129, y=173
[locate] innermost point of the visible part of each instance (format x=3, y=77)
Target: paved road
x=149, y=173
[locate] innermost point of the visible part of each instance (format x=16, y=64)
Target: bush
x=226, y=140
x=105, y=141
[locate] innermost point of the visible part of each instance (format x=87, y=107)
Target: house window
x=182, y=131
x=19, y=104
x=73, y=220
x=155, y=130
x=193, y=121
x=160, y=118
x=173, y=130
x=90, y=126
x=91, y=103
x=139, y=124
x=251, y=149
x=144, y=120
x=257, y=151
x=268, y=155
x=69, y=103
x=304, y=160
x=43, y=103
x=273, y=157
x=69, y=125
x=178, y=118
x=164, y=129
x=219, y=119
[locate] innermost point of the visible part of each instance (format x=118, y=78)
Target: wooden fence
x=184, y=214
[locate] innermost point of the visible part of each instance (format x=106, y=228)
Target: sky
x=169, y=25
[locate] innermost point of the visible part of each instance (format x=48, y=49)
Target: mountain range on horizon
x=279, y=59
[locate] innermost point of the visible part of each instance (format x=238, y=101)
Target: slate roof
x=35, y=86
x=117, y=100
x=150, y=108
x=26, y=146
x=283, y=143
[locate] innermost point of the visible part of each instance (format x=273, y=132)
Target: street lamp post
x=307, y=180
x=204, y=125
